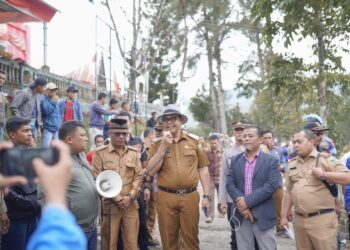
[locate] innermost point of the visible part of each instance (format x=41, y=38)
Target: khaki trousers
x=178, y=213
x=316, y=233
x=278, y=198
x=129, y=220
x=151, y=216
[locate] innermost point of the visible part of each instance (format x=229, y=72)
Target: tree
x=323, y=21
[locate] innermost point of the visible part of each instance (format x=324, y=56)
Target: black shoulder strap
x=332, y=188
x=317, y=159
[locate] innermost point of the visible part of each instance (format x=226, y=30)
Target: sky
x=72, y=44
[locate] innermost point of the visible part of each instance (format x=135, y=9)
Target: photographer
x=23, y=208
x=57, y=228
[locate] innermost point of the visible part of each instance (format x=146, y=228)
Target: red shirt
x=68, y=112
x=89, y=156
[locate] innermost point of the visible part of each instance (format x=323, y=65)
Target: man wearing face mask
x=180, y=163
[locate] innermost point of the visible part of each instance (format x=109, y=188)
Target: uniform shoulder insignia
x=157, y=139
x=132, y=148
x=101, y=148
x=332, y=159
x=193, y=136
x=293, y=159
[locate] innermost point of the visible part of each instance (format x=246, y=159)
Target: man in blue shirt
x=50, y=115
x=96, y=121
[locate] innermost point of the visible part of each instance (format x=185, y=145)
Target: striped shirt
x=248, y=174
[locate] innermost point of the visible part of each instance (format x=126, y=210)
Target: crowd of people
x=260, y=186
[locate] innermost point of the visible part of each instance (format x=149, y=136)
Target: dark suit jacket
x=265, y=181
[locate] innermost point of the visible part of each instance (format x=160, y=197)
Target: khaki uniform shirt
x=227, y=155
x=181, y=162
x=309, y=194
x=127, y=165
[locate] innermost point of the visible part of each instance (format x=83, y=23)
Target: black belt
x=323, y=211
x=180, y=191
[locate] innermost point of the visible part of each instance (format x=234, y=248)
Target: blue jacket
x=96, y=116
x=77, y=110
x=347, y=189
x=50, y=114
x=266, y=179
x=57, y=229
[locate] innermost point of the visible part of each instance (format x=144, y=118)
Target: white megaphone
x=109, y=184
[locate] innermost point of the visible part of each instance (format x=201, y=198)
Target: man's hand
x=124, y=203
x=5, y=223
x=206, y=203
x=146, y=194
x=223, y=208
x=241, y=204
x=325, y=154
x=56, y=98
x=317, y=172
x=167, y=139
x=283, y=223
x=55, y=179
x=247, y=214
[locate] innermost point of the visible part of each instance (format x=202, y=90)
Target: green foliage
x=200, y=107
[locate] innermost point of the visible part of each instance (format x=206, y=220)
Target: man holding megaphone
x=121, y=209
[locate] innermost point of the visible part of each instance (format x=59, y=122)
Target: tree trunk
x=321, y=88
x=133, y=73
x=221, y=96
x=213, y=95
x=260, y=61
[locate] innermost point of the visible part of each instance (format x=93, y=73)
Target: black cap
x=40, y=81
x=72, y=89
x=119, y=124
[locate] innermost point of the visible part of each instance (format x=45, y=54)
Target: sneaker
x=283, y=233
x=208, y=220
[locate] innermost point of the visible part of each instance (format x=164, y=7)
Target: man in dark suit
x=251, y=182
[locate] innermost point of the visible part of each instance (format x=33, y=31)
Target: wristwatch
x=132, y=197
x=206, y=197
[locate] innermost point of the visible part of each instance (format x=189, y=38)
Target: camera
x=18, y=160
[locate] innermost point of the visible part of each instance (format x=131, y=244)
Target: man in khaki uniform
x=180, y=163
x=315, y=219
x=123, y=209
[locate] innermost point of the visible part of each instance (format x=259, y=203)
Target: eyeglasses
x=159, y=130
x=171, y=119
x=318, y=133
x=118, y=134
x=238, y=129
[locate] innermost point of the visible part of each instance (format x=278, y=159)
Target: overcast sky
x=72, y=43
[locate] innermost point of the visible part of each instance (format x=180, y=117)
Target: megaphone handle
x=109, y=223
